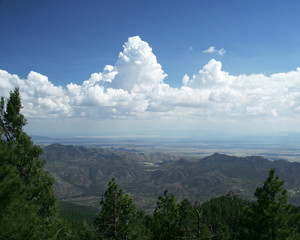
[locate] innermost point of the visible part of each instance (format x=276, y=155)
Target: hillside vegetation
x=82, y=173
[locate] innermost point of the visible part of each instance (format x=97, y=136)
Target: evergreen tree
x=27, y=200
x=224, y=216
x=118, y=217
x=166, y=217
x=21, y=153
x=188, y=220
x=191, y=224
x=271, y=216
x=18, y=218
x=172, y=220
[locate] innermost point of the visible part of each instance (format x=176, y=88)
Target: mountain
x=82, y=173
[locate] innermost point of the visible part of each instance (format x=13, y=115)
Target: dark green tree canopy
x=118, y=217
x=27, y=201
x=20, y=152
x=12, y=121
x=172, y=220
x=271, y=217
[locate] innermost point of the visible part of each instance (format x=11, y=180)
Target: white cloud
x=210, y=50
x=134, y=88
x=221, y=51
x=39, y=96
x=137, y=67
x=214, y=50
x=125, y=86
x=7, y=82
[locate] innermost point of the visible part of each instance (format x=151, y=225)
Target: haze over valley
x=277, y=146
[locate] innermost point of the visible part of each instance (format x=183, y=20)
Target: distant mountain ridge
x=82, y=173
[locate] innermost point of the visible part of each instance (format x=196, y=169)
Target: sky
x=152, y=68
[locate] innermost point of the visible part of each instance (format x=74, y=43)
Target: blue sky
x=67, y=41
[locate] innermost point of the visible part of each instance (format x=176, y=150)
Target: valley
x=82, y=172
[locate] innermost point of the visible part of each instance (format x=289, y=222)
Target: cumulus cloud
x=39, y=96
x=134, y=88
x=137, y=67
x=124, y=88
x=214, y=50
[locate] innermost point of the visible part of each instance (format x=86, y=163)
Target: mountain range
x=82, y=173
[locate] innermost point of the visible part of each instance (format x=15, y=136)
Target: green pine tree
x=172, y=220
x=166, y=217
x=118, y=217
x=22, y=154
x=29, y=208
x=188, y=220
x=271, y=217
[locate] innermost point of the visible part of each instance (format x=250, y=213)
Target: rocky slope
x=82, y=173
